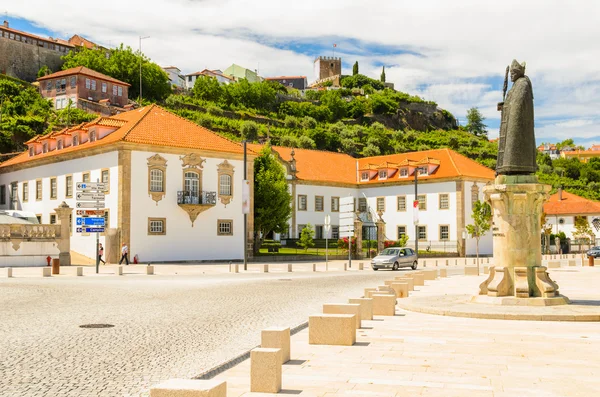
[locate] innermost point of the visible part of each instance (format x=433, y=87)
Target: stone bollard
x=408, y=280
x=430, y=274
x=384, y=289
x=384, y=304
x=447, y=262
x=289, y=268
x=46, y=272
x=79, y=271
x=8, y=272
x=149, y=270
x=265, y=268
x=190, y=388
x=486, y=270
x=332, y=329
x=314, y=267
x=488, y=260
x=400, y=288
x=443, y=273
x=265, y=370
x=418, y=279
x=424, y=263
x=345, y=266
x=366, y=307
x=361, y=266
x=234, y=268
x=553, y=264
x=344, y=308
x=119, y=270
x=368, y=291
x=277, y=338
x=471, y=271
x=572, y=262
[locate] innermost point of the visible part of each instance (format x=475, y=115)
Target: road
x=165, y=326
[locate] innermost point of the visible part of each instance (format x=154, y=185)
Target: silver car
x=595, y=252
x=395, y=258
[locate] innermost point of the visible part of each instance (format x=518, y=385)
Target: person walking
x=101, y=253
x=124, y=253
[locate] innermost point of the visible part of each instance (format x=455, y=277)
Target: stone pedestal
x=516, y=202
x=63, y=213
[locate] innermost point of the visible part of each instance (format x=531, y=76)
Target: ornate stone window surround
x=221, y=230
x=225, y=174
x=153, y=226
x=157, y=171
x=447, y=233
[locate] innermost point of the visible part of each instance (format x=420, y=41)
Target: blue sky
x=453, y=53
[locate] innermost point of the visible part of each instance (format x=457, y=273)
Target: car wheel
x=414, y=265
x=395, y=266
x=375, y=269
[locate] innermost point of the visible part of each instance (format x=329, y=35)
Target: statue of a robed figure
x=516, y=147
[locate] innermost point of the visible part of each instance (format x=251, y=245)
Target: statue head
x=517, y=70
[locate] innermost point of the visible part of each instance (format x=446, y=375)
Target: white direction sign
x=347, y=216
x=90, y=204
x=87, y=186
x=327, y=224
x=90, y=196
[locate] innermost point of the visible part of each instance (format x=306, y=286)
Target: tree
x=482, y=217
x=44, y=71
x=546, y=231
x=583, y=231
x=272, y=200
x=383, y=75
x=207, y=88
x=475, y=123
x=306, y=238
x=249, y=131
x=355, y=69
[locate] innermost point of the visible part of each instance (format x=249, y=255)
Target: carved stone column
x=380, y=233
x=63, y=213
x=359, y=237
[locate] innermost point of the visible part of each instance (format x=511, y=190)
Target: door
x=192, y=187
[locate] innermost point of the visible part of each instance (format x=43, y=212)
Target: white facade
x=566, y=224
x=175, y=77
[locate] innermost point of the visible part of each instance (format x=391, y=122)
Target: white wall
x=568, y=225
x=30, y=253
x=486, y=241
x=182, y=241
x=83, y=244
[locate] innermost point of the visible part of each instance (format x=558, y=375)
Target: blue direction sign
x=90, y=230
x=90, y=221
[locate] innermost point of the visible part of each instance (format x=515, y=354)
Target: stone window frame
x=163, y=222
x=382, y=175
x=89, y=177
x=39, y=188
x=300, y=197
x=53, y=214
x=474, y=193
x=419, y=232
x=157, y=162
x=67, y=185
x=59, y=144
x=398, y=207
x=447, y=232
x=382, y=201
x=363, y=205
x=403, y=173
x=398, y=234
x=422, y=203
x=322, y=203
x=2, y=194
x=107, y=170
x=39, y=217
x=335, y=199
x=440, y=196
x=364, y=176
x=25, y=192
x=106, y=217
x=225, y=169
x=53, y=191
x=224, y=222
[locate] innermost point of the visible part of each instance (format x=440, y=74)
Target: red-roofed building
x=563, y=208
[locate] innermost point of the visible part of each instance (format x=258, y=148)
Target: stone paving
x=178, y=323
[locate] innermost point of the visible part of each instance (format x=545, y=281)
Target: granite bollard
x=384, y=304
x=149, y=270
x=400, y=288
x=344, y=308
x=46, y=272
x=332, y=329
x=366, y=307
x=277, y=338
x=190, y=388
x=265, y=370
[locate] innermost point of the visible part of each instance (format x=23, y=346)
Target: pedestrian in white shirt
x=124, y=254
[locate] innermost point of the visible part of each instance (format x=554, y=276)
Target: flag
x=416, y=212
x=334, y=45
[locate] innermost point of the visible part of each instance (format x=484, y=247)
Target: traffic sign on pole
x=88, y=186
x=90, y=204
x=90, y=230
x=90, y=196
x=89, y=221
x=90, y=212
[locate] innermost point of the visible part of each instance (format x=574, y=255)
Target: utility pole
x=141, y=38
x=245, y=214
x=416, y=221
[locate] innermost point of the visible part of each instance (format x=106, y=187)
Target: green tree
x=207, y=88
x=355, y=69
x=583, y=232
x=306, y=238
x=475, y=123
x=249, y=131
x=482, y=217
x=272, y=200
x=44, y=71
x=383, y=75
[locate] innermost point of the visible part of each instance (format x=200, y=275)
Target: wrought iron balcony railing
x=200, y=198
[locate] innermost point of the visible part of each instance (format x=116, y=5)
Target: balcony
x=195, y=203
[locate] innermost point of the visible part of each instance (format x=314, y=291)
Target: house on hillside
x=297, y=82
x=176, y=79
x=222, y=78
x=87, y=89
x=582, y=155
x=79, y=41
x=174, y=188
x=549, y=149
x=449, y=184
x=239, y=72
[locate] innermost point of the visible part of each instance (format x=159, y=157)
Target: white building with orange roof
x=563, y=208
x=174, y=188
x=448, y=185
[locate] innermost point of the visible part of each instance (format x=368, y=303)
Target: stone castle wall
x=23, y=60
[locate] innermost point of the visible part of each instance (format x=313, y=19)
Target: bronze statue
x=516, y=146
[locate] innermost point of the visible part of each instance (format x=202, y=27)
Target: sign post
x=91, y=195
x=347, y=222
x=327, y=228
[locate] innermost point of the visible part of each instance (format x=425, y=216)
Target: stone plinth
x=418, y=279
x=553, y=264
x=430, y=274
x=289, y=267
x=79, y=271
x=190, y=388
x=265, y=370
x=9, y=272
x=471, y=271
x=344, y=308
x=332, y=329
x=443, y=273
x=368, y=292
x=400, y=288
x=234, y=268
x=408, y=280
x=149, y=270
x=277, y=338
x=366, y=307
x=384, y=304
x=119, y=270
x=46, y=272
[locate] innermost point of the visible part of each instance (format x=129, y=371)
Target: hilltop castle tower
x=327, y=67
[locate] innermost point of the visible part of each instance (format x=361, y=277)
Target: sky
x=452, y=52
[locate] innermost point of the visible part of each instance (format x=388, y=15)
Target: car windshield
x=389, y=251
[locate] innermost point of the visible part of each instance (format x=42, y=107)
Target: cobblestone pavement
x=165, y=326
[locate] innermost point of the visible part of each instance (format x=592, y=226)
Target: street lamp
x=141, y=38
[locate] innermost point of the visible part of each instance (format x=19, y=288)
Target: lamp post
x=245, y=209
x=141, y=38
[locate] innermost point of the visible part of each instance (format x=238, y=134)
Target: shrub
x=249, y=130
x=306, y=143
x=289, y=141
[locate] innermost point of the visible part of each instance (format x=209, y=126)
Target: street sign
x=90, y=230
x=90, y=204
x=90, y=196
x=90, y=212
x=327, y=224
x=90, y=221
x=87, y=186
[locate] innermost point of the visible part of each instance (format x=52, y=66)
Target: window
x=319, y=232
x=45, y=147
x=364, y=176
x=319, y=203
x=75, y=140
x=120, y=90
x=71, y=224
x=300, y=228
x=105, y=178
x=53, y=188
x=39, y=218
x=49, y=86
x=422, y=198
x=25, y=191
x=73, y=81
x=38, y=190
x=422, y=230
x=157, y=168
x=104, y=87
x=403, y=172
x=69, y=185
x=85, y=177
x=191, y=183
x=401, y=231
x=335, y=204
x=92, y=135
x=156, y=180
x=114, y=90
x=380, y=204
x=59, y=144
x=382, y=174
x=401, y=206
x=14, y=192
x=93, y=85
x=157, y=226
x=63, y=85
x=422, y=170
x=444, y=201
x=87, y=83
x=225, y=185
x=335, y=232
x=53, y=219
x=444, y=232
x=224, y=227
x=362, y=204
x=301, y=202
x=2, y=194
x=474, y=194
x=31, y=151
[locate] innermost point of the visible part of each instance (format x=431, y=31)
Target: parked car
x=595, y=252
x=395, y=258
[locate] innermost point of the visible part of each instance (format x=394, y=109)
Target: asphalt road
x=164, y=326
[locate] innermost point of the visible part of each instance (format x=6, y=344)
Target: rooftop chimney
x=5, y=24
x=560, y=194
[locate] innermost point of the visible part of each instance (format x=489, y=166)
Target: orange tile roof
x=85, y=71
x=36, y=37
x=151, y=125
x=571, y=204
x=77, y=40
